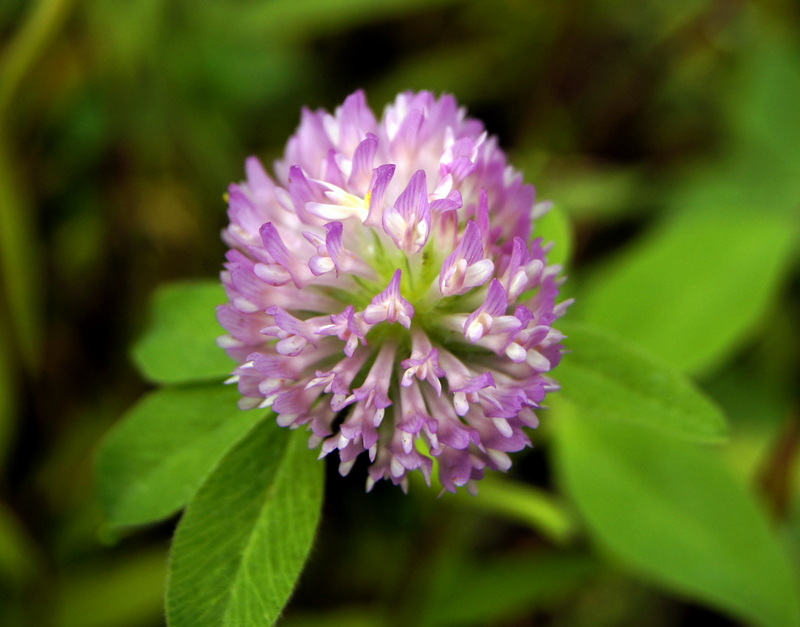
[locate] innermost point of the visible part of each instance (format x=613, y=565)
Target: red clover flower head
x=384, y=291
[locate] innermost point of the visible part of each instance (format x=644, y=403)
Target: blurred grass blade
x=19, y=251
x=30, y=41
x=20, y=273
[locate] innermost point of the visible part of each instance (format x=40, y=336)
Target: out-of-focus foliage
x=690, y=523
x=667, y=132
x=614, y=381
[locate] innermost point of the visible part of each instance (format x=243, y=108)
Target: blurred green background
x=121, y=125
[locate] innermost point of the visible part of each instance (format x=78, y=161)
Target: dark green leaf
x=155, y=459
x=241, y=545
x=180, y=346
x=693, y=290
x=619, y=382
x=674, y=512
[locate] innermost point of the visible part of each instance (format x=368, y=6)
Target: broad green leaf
x=154, y=460
x=672, y=511
x=241, y=545
x=618, y=382
x=180, y=346
x=692, y=290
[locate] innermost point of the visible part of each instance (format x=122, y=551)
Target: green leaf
x=619, y=382
x=154, y=460
x=673, y=512
x=241, y=545
x=693, y=289
x=180, y=346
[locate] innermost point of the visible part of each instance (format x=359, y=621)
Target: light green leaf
x=673, y=512
x=155, y=459
x=693, y=289
x=619, y=382
x=241, y=545
x=180, y=346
